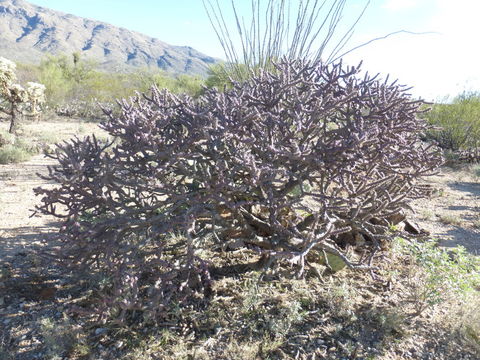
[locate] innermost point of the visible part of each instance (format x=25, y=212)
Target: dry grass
x=469, y=323
x=450, y=219
x=62, y=338
x=346, y=315
x=256, y=314
x=427, y=214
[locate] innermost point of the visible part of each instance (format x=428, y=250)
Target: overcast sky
x=444, y=62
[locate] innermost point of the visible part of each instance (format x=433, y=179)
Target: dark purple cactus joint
x=291, y=162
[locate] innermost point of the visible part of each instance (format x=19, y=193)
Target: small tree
x=14, y=99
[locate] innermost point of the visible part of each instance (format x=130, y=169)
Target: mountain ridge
x=28, y=32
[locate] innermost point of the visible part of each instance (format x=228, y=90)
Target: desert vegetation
x=456, y=127
x=70, y=88
x=296, y=163
x=16, y=100
x=267, y=212
x=76, y=88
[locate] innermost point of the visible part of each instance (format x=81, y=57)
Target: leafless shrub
x=289, y=162
x=280, y=29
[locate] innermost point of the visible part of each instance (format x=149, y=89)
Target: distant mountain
x=28, y=32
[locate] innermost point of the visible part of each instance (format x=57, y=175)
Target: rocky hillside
x=28, y=32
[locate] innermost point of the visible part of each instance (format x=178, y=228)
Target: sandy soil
x=19, y=227
x=452, y=214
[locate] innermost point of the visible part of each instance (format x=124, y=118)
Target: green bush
x=13, y=154
x=16, y=148
x=75, y=86
x=457, y=124
x=449, y=273
x=220, y=76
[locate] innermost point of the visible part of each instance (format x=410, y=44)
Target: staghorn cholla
x=289, y=161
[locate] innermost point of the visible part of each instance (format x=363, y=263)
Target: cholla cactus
x=295, y=163
x=35, y=97
x=17, y=93
x=7, y=74
x=13, y=97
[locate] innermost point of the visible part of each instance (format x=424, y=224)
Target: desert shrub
x=75, y=88
x=288, y=163
x=15, y=148
x=13, y=154
x=185, y=84
x=457, y=124
x=446, y=273
x=19, y=147
x=53, y=73
x=218, y=77
x=223, y=76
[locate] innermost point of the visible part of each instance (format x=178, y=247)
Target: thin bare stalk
x=269, y=38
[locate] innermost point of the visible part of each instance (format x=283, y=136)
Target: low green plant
x=13, y=154
x=446, y=273
x=17, y=148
